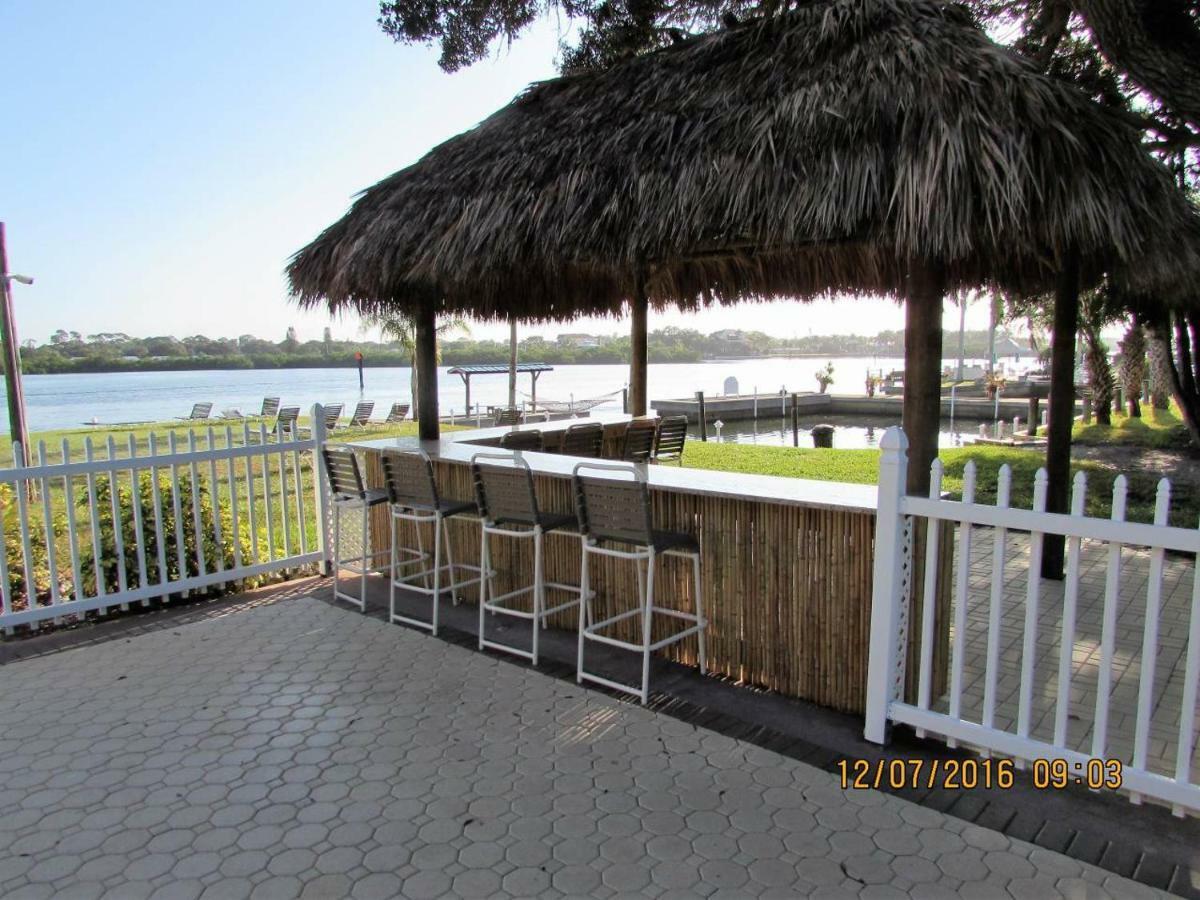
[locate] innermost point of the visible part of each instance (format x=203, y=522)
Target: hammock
x=571, y=406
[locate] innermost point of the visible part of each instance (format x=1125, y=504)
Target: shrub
x=14, y=552
x=168, y=486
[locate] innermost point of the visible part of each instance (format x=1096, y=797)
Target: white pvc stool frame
x=496, y=604
x=589, y=630
x=431, y=586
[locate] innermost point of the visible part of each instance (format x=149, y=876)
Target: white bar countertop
x=460, y=446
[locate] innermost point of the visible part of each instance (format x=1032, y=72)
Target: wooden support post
x=467, y=389
x=533, y=377
x=795, y=420
x=922, y=370
x=427, y=404
x=637, y=349
x=512, y=363
x=702, y=415
x=1062, y=408
x=1034, y=413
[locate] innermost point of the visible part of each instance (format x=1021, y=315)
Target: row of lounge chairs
x=286, y=417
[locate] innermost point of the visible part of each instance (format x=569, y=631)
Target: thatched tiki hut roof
x=886, y=146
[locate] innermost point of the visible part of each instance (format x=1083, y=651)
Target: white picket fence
x=182, y=514
x=1062, y=735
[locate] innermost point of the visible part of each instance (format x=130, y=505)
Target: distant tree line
x=69, y=351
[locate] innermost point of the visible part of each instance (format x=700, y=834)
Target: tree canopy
x=1139, y=56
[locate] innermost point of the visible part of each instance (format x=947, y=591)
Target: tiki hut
x=881, y=146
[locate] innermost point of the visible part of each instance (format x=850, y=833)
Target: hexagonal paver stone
x=576, y=880
x=525, y=882
x=474, y=883
x=723, y=873
x=626, y=876
x=377, y=886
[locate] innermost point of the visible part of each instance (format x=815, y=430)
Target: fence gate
x=119, y=523
x=1102, y=666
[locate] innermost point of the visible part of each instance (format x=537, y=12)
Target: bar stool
x=349, y=493
x=583, y=439
x=617, y=510
x=672, y=434
x=413, y=496
x=522, y=440
x=509, y=508
x=639, y=440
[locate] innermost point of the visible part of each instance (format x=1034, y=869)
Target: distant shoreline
x=208, y=366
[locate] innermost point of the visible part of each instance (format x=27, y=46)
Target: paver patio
x=1174, y=614
x=298, y=749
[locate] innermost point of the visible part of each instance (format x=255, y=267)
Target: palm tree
x=402, y=329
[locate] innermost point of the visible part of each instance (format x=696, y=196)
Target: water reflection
x=850, y=432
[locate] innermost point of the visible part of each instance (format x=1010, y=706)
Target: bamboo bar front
x=786, y=583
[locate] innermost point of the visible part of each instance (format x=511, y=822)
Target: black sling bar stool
x=614, y=509
x=672, y=434
x=639, y=440
x=509, y=508
x=583, y=439
x=349, y=494
x=522, y=440
x=412, y=493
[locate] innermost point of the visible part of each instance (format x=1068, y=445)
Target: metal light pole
x=12, y=355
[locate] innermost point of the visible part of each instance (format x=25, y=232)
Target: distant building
x=583, y=341
x=728, y=334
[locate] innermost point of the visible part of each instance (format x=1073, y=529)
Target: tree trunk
x=1156, y=43
x=1099, y=374
x=1133, y=367
x=1181, y=375
x=1158, y=342
x=922, y=370
x=1062, y=409
x=427, y=401
x=638, y=305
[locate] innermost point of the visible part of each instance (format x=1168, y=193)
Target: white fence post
x=889, y=582
x=319, y=479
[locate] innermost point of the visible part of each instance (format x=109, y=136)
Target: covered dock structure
x=467, y=372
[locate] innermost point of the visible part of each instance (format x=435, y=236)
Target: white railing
x=1091, y=681
x=115, y=523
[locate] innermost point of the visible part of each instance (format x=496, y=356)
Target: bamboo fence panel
x=786, y=588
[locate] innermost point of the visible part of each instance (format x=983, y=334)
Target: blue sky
x=161, y=160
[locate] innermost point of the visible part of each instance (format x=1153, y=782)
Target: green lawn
x=862, y=466
x=77, y=437
x=1160, y=429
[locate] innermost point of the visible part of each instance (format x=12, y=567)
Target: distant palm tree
x=402, y=328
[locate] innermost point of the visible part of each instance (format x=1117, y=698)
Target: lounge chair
x=397, y=414
x=362, y=414
x=199, y=411
x=270, y=407
x=285, y=422
x=333, y=412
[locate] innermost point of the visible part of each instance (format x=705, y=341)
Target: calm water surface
x=66, y=401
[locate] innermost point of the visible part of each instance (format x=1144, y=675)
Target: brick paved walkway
x=298, y=749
